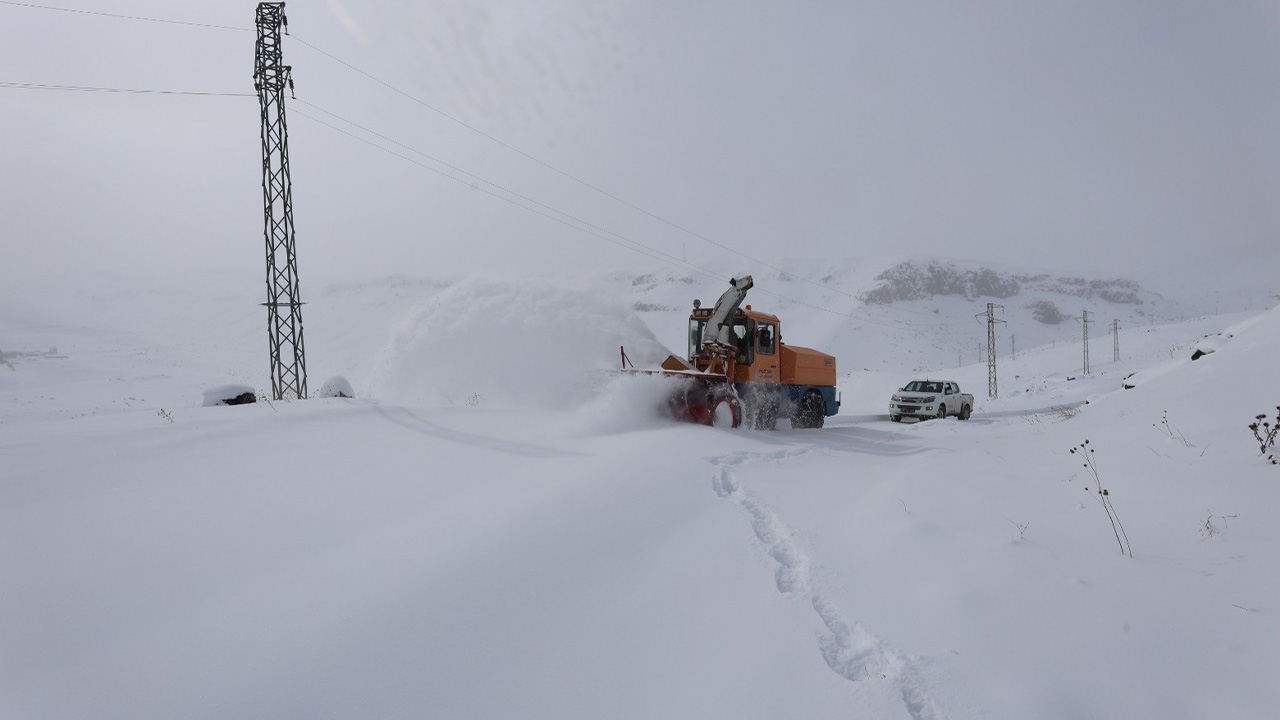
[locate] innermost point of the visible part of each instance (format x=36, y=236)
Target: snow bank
x=534, y=342
x=336, y=386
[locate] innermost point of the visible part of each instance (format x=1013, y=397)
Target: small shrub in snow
x=263, y=397
x=1103, y=497
x=1265, y=434
x=1171, y=431
x=1066, y=412
x=474, y=399
x=165, y=414
x=1022, y=528
x=1208, y=529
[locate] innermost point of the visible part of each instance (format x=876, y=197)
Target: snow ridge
x=849, y=649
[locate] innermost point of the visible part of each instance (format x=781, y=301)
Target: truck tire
x=726, y=413
x=942, y=412
x=767, y=416
x=965, y=412
x=812, y=412
x=896, y=418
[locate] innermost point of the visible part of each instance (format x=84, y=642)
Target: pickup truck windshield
x=923, y=386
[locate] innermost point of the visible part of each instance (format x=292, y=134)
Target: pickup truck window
x=923, y=386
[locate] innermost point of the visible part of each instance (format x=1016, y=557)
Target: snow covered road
x=375, y=558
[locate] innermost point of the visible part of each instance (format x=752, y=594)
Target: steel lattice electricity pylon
x=1085, y=322
x=284, y=302
x=990, y=314
x=1115, y=337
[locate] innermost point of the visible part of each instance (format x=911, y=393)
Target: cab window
x=696, y=327
x=741, y=339
x=766, y=338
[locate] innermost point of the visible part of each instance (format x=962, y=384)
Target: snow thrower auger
x=740, y=372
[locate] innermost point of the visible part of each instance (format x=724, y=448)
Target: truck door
x=765, y=369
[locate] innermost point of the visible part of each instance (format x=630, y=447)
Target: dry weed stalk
x=1104, y=497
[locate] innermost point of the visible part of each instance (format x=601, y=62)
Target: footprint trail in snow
x=849, y=649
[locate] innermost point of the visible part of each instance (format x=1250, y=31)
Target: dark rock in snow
x=229, y=395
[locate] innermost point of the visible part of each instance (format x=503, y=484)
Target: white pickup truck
x=930, y=399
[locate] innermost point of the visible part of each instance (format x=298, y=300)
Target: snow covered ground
x=496, y=527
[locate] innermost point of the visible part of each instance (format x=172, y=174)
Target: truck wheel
x=896, y=418
x=965, y=412
x=812, y=412
x=767, y=416
x=942, y=412
x=726, y=413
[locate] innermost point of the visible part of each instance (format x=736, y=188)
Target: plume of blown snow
x=625, y=403
x=541, y=342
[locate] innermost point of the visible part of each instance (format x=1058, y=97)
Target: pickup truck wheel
x=812, y=412
x=942, y=412
x=965, y=412
x=896, y=418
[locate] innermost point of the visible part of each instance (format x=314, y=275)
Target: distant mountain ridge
x=917, y=313
x=915, y=280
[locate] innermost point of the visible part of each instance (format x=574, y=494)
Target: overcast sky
x=1120, y=138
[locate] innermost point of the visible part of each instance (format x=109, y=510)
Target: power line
x=448, y=116
x=471, y=175
x=582, y=226
x=633, y=245
x=457, y=120
x=118, y=16
x=559, y=216
x=559, y=171
x=130, y=91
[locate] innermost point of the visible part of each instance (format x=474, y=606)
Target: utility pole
x=1086, y=341
x=284, y=301
x=991, y=347
x=1115, y=337
x=1013, y=347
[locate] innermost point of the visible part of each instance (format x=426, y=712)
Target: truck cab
x=771, y=376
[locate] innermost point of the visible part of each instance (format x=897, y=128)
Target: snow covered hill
x=912, y=313
x=497, y=527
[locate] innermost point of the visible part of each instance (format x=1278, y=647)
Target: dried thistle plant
x=1171, y=431
x=1265, y=433
x=1103, y=496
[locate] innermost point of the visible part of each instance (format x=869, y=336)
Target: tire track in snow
x=849, y=649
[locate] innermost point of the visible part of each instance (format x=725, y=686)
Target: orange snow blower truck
x=739, y=371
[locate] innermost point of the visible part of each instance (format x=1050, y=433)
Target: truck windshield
x=923, y=386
